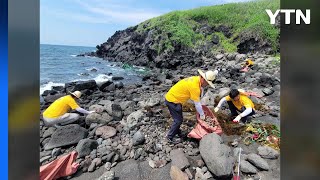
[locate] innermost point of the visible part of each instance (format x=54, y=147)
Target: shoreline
x=139, y=107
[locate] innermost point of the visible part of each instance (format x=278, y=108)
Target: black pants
x=176, y=113
x=234, y=112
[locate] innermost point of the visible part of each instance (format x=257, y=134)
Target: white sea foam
x=90, y=69
x=102, y=78
x=48, y=86
x=73, y=55
x=83, y=74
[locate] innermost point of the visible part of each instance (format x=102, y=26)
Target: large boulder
x=117, y=112
x=98, y=118
x=150, y=102
x=126, y=104
x=179, y=159
x=128, y=170
x=216, y=155
x=247, y=168
x=177, y=174
x=80, y=85
x=240, y=57
x=134, y=118
x=267, y=80
x=49, y=92
x=52, y=98
x=103, y=84
x=58, y=88
x=127, y=107
x=257, y=161
x=106, y=132
x=117, y=78
x=49, y=132
x=111, y=87
x=105, y=103
x=109, y=175
x=114, y=110
x=119, y=85
x=259, y=92
x=98, y=108
x=66, y=135
x=135, y=170
x=267, y=120
x=85, y=146
x=268, y=152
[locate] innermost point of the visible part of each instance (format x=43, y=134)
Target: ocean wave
x=102, y=78
x=48, y=86
x=83, y=74
x=140, y=70
x=93, y=69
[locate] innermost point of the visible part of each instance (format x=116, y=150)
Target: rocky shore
x=137, y=48
x=125, y=139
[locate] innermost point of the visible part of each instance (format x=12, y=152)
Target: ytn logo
x=287, y=15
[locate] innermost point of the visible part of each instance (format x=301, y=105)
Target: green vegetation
x=276, y=60
x=226, y=43
x=180, y=26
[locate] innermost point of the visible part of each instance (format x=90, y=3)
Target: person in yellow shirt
x=238, y=101
x=248, y=64
x=188, y=88
x=57, y=113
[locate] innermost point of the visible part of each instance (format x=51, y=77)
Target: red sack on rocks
x=202, y=128
x=61, y=167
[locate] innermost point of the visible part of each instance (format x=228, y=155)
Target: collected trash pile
x=209, y=125
x=265, y=134
x=210, y=121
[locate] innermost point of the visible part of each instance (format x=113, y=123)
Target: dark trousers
x=176, y=113
x=234, y=112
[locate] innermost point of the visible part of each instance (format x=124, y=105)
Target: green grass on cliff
x=180, y=26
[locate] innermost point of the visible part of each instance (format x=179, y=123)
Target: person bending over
x=238, y=101
x=57, y=113
x=180, y=93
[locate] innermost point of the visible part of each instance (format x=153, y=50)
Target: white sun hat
x=77, y=94
x=209, y=76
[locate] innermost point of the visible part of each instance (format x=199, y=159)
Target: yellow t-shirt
x=243, y=101
x=249, y=62
x=60, y=107
x=185, y=89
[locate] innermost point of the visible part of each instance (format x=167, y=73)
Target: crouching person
x=57, y=113
x=238, y=102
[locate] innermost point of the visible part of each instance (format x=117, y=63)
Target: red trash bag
x=245, y=69
x=202, y=128
x=61, y=167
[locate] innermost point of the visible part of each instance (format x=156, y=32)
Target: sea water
x=59, y=64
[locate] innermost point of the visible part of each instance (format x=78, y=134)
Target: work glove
x=237, y=119
x=216, y=109
x=91, y=112
x=202, y=117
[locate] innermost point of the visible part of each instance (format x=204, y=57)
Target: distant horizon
x=67, y=45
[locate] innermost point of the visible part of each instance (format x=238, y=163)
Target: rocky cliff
x=187, y=38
